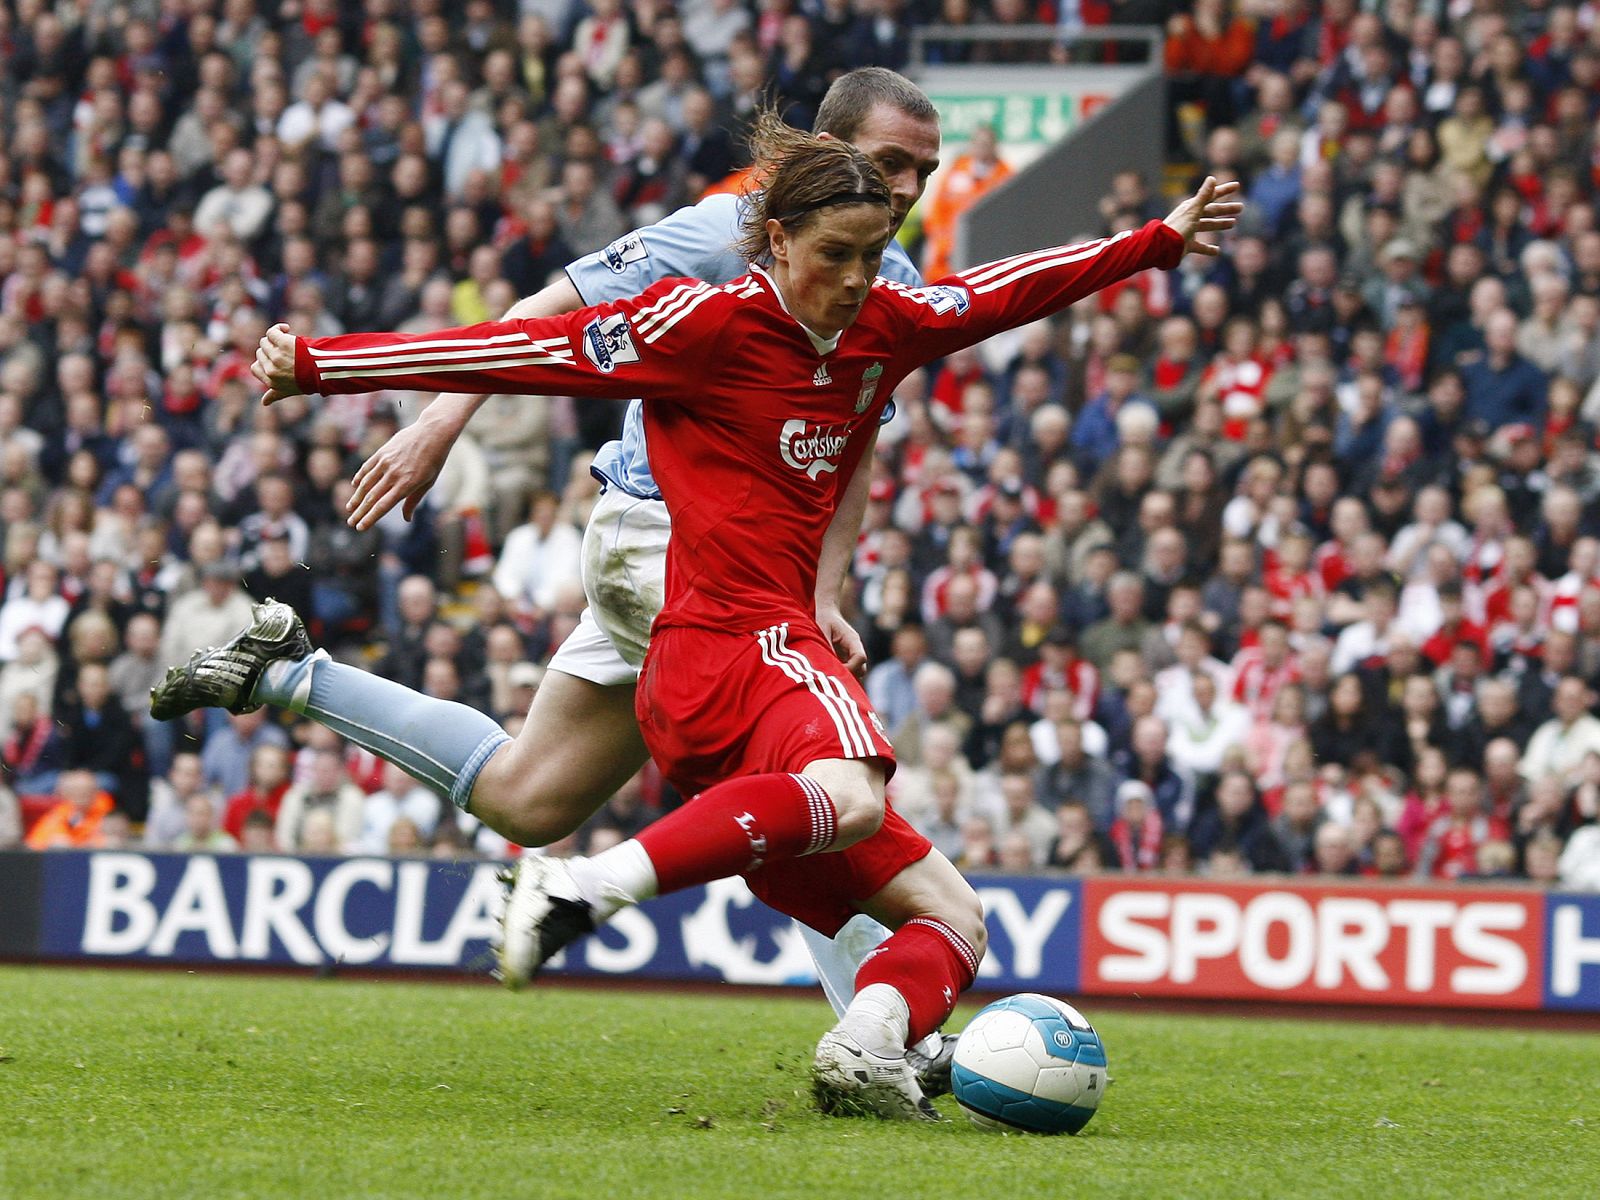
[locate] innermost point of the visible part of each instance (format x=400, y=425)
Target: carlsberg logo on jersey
x=811, y=449
x=607, y=341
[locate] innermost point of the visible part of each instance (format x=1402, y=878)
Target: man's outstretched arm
x=642, y=346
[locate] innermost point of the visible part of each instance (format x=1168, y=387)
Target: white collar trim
x=820, y=344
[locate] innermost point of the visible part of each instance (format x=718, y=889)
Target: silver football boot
x=225, y=676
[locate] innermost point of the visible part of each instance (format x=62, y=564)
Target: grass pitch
x=128, y=1084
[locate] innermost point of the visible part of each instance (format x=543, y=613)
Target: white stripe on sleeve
x=680, y=315
x=445, y=368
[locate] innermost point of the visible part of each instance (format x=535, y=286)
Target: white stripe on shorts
x=852, y=710
x=853, y=733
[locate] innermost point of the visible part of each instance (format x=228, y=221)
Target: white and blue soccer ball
x=1029, y=1063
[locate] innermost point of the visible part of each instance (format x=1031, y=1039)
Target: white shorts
x=624, y=576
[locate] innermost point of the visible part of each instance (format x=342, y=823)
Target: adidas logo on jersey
x=821, y=378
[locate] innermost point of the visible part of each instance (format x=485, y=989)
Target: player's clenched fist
x=274, y=365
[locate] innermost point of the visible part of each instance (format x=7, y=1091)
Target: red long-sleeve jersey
x=754, y=423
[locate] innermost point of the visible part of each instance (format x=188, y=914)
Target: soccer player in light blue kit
x=581, y=741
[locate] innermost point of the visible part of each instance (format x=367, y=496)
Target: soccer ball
x=1029, y=1063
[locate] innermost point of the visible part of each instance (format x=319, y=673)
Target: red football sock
x=738, y=825
x=929, y=964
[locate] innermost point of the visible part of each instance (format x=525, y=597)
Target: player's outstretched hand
x=1213, y=209
x=274, y=365
x=844, y=639
x=402, y=469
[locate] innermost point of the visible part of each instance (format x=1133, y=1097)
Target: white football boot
x=545, y=912
x=847, y=1079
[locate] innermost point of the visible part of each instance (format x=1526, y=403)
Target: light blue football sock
x=838, y=958
x=440, y=742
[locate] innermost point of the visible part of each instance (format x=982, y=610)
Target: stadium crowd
x=1283, y=562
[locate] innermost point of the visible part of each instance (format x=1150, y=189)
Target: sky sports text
x=1461, y=947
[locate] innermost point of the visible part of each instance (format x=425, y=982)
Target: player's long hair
x=797, y=175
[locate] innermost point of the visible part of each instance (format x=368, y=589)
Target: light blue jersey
x=695, y=243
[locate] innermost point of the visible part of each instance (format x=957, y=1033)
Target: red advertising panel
x=1460, y=947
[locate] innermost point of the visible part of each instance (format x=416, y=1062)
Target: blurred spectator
x=1206, y=728
x=32, y=751
x=1137, y=830
x=978, y=169
x=229, y=755
x=1237, y=821
x=401, y=800
x=942, y=818
x=978, y=852
x=256, y=835
x=237, y=204
x=1206, y=51
x=75, y=821
x=98, y=736
x=169, y=798
x=1559, y=746
x=200, y=831
x=1078, y=846
x=539, y=253
x=1456, y=836
x=1123, y=628
x=267, y=784
x=1019, y=814
x=207, y=616
x=935, y=687
x=33, y=671
x=323, y=815
x=37, y=605
x=1296, y=825
x=1147, y=761
x=889, y=684
x=318, y=834
x=585, y=214
x=1504, y=388
x=538, y=558
x=1334, y=851
x=1076, y=777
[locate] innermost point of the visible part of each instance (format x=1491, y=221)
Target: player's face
x=825, y=269
x=905, y=149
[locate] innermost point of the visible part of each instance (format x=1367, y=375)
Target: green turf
x=125, y=1084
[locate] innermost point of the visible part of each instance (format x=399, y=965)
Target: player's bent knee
x=860, y=816
x=972, y=928
x=856, y=789
x=530, y=805
x=963, y=911
x=936, y=889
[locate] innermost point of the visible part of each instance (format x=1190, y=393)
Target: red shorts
x=822, y=890
x=715, y=706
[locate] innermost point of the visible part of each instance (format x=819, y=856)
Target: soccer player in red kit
x=760, y=397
